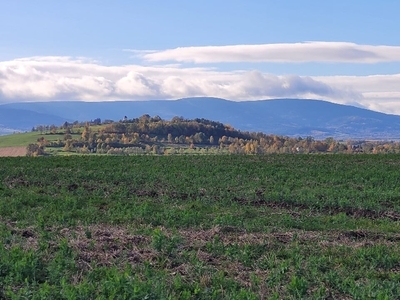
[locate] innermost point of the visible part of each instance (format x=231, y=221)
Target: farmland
x=12, y=151
x=200, y=227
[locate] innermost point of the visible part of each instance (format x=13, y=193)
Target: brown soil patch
x=349, y=211
x=353, y=238
x=105, y=243
x=12, y=151
x=108, y=245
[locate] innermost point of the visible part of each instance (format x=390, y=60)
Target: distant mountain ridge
x=23, y=119
x=291, y=117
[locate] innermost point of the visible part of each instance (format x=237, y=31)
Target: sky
x=342, y=51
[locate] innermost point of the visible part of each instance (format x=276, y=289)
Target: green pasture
x=26, y=138
x=200, y=227
x=19, y=139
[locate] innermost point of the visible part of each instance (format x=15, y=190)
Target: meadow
x=24, y=139
x=200, y=227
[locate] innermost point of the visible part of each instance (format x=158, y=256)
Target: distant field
x=200, y=227
x=24, y=139
x=18, y=139
x=12, y=151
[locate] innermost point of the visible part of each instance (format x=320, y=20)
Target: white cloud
x=293, y=52
x=65, y=78
x=256, y=85
x=135, y=83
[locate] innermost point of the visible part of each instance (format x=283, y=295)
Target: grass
x=19, y=139
x=200, y=227
x=24, y=139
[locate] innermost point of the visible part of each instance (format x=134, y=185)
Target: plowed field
x=13, y=151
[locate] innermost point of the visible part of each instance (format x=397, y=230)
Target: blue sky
x=341, y=51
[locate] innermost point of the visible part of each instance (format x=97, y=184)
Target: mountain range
x=289, y=117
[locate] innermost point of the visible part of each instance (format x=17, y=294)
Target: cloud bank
x=332, y=52
x=67, y=78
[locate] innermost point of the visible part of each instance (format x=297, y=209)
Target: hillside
x=290, y=117
x=23, y=119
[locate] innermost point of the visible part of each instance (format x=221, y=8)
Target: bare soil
x=12, y=151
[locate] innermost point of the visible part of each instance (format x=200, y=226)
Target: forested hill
x=147, y=129
x=198, y=129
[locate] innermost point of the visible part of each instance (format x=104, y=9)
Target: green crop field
x=19, y=139
x=24, y=139
x=200, y=227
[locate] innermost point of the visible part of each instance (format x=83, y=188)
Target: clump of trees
x=35, y=150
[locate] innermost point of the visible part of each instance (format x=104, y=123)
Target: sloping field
x=13, y=151
x=24, y=139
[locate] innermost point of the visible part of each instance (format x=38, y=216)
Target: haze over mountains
x=290, y=117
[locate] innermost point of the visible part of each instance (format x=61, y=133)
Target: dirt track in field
x=13, y=151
